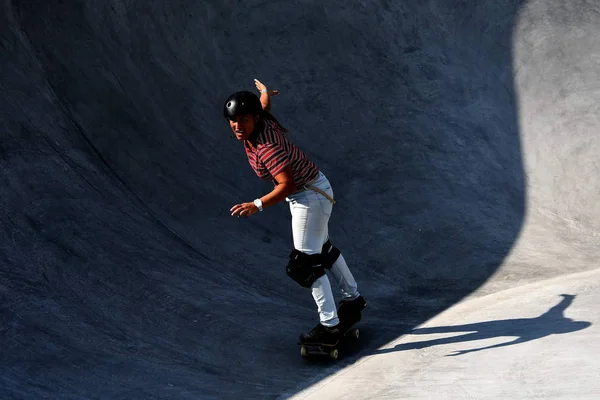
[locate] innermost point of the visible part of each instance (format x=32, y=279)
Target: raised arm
x=265, y=95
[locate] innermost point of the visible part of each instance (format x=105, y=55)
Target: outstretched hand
x=244, y=210
x=260, y=87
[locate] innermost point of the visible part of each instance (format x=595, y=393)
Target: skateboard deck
x=331, y=350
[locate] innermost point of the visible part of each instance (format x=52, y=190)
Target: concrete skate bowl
x=461, y=141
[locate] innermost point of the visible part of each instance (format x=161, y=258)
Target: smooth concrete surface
x=461, y=139
x=536, y=341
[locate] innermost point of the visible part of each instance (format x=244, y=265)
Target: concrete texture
x=546, y=349
x=460, y=138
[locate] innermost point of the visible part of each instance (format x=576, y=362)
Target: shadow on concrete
x=552, y=322
x=122, y=274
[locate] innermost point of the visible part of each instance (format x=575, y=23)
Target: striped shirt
x=270, y=152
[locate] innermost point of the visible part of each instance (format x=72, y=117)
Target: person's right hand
x=260, y=86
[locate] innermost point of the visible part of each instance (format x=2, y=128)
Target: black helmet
x=241, y=103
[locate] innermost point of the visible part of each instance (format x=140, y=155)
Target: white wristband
x=264, y=91
x=258, y=204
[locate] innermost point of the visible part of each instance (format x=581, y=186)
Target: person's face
x=242, y=125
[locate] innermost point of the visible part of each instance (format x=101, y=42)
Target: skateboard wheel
x=334, y=354
x=356, y=333
x=303, y=351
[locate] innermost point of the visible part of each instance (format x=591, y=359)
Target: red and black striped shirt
x=270, y=152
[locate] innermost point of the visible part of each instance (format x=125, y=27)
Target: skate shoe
x=351, y=309
x=322, y=335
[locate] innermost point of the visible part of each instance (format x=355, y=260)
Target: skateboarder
x=306, y=189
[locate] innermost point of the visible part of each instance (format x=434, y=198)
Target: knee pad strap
x=330, y=254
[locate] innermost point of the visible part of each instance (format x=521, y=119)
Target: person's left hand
x=244, y=210
x=261, y=86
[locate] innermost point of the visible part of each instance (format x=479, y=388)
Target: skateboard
x=331, y=350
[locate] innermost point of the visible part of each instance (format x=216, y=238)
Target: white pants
x=310, y=218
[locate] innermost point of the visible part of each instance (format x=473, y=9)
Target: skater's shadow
x=552, y=322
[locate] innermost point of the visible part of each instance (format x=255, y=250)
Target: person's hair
x=269, y=117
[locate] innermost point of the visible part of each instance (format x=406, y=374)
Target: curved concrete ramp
x=527, y=343
x=462, y=143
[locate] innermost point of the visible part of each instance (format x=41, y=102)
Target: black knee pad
x=305, y=268
x=330, y=254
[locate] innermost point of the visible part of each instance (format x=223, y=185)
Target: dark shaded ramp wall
x=123, y=275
